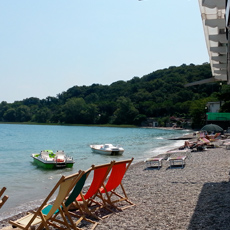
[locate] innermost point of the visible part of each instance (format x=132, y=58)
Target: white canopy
x=214, y=23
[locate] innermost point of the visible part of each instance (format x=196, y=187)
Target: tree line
x=160, y=94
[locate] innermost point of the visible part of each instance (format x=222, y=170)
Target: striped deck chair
x=44, y=214
x=108, y=193
x=204, y=142
x=4, y=199
x=67, y=204
x=86, y=202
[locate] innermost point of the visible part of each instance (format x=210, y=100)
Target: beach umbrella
x=212, y=128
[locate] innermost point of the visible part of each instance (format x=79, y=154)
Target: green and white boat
x=49, y=160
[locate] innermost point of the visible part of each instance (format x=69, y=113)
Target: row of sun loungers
x=173, y=161
x=73, y=207
x=184, y=153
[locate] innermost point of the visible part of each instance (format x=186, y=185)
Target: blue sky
x=49, y=46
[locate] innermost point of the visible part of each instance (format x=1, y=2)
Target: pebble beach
x=194, y=197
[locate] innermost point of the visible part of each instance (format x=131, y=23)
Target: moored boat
x=49, y=160
x=107, y=149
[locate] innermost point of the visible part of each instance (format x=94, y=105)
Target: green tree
x=157, y=94
x=31, y=101
x=198, y=113
x=3, y=108
x=90, y=114
x=23, y=113
x=224, y=96
x=43, y=115
x=92, y=98
x=10, y=115
x=126, y=112
x=75, y=110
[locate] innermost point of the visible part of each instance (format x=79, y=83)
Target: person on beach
x=189, y=145
x=196, y=144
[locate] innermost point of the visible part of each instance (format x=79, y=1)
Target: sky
x=49, y=46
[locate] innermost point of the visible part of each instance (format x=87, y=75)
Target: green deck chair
x=66, y=205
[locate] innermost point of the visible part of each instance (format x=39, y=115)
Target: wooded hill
x=160, y=94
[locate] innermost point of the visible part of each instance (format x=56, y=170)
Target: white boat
x=107, y=149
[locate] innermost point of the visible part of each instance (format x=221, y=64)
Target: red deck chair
x=87, y=201
x=215, y=137
x=108, y=193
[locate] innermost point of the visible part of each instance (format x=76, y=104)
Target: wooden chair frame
x=107, y=192
x=86, y=202
x=67, y=204
x=44, y=214
x=5, y=198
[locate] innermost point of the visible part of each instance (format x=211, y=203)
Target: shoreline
x=4, y=222
x=92, y=125
x=138, y=143
x=195, y=197
x=60, y=124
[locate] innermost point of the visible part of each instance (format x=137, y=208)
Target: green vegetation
x=160, y=95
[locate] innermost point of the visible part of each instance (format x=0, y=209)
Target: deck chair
x=206, y=142
x=66, y=206
x=86, y=202
x=215, y=137
x=4, y=199
x=43, y=216
x=107, y=192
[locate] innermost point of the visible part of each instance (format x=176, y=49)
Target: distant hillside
x=159, y=94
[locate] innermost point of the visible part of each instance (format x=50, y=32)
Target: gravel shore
x=194, y=197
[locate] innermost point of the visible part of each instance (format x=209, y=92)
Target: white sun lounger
x=227, y=144
x=180, y=160
x=154, y=162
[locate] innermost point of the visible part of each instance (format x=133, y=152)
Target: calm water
x=27, y=185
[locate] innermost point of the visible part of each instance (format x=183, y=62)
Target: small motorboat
x=49, y=160
x=107, y=149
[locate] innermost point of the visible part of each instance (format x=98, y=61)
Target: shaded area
x=213, y=207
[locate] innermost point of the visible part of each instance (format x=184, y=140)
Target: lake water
x=27, y=185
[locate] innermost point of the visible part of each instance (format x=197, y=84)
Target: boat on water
x=49, y=160
x=107, y=149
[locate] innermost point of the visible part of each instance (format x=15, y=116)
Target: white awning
x=214, y=24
